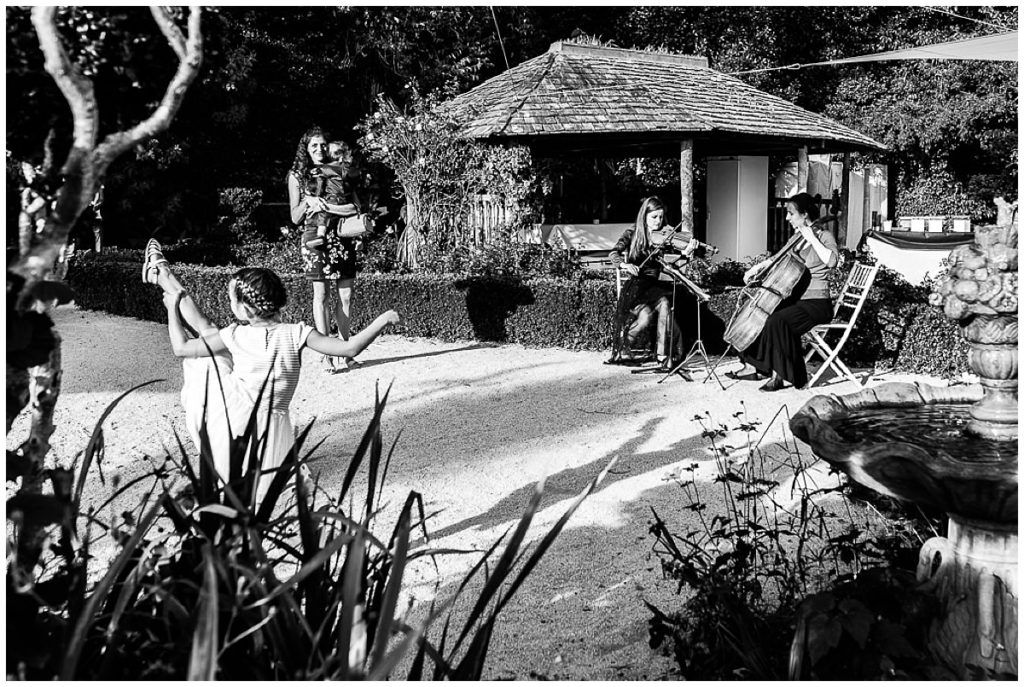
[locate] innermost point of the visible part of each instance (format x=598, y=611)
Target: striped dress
x=231, y=384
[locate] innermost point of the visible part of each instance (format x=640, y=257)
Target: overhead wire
x=960, y=16
x=501, y=43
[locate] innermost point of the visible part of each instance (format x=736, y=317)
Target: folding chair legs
x=830, y=361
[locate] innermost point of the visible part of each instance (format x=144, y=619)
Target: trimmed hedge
x=538, y=312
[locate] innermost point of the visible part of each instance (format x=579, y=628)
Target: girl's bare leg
x=190, y=312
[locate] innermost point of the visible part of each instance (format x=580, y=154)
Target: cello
x=772, y=285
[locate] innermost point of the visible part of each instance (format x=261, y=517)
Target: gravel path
x=480, y=425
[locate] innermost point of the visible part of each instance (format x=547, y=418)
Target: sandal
x=327, y=364
x=154, y=257
x=754, y=376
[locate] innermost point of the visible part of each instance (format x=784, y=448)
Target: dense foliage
x=786, y=576
x=951, y=126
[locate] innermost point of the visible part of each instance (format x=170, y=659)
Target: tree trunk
x=686, y=185
x=82, y=172
x=803, y=169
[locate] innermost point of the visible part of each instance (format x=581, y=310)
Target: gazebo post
x=844, y=197
x=802, y=169
x=686, y=185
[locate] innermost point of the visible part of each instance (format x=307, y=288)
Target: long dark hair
x=300, y=166
x=641, y=239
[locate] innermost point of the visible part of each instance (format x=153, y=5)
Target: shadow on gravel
x=571, y=481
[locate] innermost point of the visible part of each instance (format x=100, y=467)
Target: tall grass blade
x=372, y=429
x=386, y=612
x=290, y=463
x=97, y=437
x=99, y=595
x=351, y=588
x=127, y=592
x=472, y=664
x=552, y=534
x=504, y=564
x=202, y=663
x=307, y=569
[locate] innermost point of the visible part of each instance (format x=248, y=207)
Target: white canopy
x=1000, y=47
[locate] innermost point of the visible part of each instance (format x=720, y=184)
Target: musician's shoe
x=754, y=376
x=772, y=385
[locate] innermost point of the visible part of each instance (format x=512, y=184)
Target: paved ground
x=480, y=425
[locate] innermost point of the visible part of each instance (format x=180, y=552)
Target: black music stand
x=698, y=348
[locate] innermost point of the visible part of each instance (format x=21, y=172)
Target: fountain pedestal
x=974, y=571
x=968, y=470
x=993, y=357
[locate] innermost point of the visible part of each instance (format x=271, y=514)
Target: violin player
x=776, y=353
x=644, y=296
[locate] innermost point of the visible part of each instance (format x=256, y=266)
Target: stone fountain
x=951, y=448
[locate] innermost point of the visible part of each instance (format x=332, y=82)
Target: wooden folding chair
x=847, y=307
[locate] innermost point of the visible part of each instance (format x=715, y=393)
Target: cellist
x=644, y=296
x=777, y=353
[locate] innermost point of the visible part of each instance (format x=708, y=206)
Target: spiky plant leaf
x=504, y=565
x=99, y=595
x=96, y=440
x=386, y=612
x=202, y=662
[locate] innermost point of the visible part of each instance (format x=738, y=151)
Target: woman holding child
x=329, y=260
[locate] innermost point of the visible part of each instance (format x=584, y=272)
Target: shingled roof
x=581, y=97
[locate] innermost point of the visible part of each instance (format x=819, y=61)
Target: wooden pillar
x=686, y=185
x=865, y=221
x=844, y=222
x=892, y=174
x=802, y=169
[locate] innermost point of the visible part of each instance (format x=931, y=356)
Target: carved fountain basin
x=912, y=442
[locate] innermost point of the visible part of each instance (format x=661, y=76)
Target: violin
x=681, y=240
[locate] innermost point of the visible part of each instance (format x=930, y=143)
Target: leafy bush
x=235, y=209
x=502, y=257
x=211, y=581
x=751, y=561
x=937, y=192
x=440, y=170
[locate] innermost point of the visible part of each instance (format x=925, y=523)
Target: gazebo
x=614, y=102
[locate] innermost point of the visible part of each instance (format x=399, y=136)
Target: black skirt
x=778, y=348
x=640, y=290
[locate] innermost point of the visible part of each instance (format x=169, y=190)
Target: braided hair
x=261, y=289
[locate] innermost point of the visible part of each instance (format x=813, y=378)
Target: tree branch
x=170, y=30
x=190, y=59
x=77, y=90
